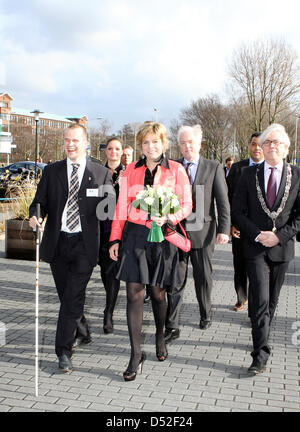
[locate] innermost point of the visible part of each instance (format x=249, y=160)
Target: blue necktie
x=188, y=170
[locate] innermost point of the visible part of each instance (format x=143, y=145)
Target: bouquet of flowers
x=158, y=201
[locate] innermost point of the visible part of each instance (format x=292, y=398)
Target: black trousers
x=240, y=270
x=265, y=281
x=107, y=272
x=202, y=275
x=71, y=271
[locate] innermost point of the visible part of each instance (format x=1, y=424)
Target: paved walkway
x=205, y=370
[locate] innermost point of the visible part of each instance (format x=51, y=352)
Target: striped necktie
x=73, y=207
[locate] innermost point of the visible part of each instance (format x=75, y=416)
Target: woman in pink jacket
x=140, y=262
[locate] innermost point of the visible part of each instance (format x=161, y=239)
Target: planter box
x=19, y=240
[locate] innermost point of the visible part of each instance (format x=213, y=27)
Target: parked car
x=17, y=174
x=28, y=165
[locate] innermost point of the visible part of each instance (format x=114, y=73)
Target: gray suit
x=209, y=188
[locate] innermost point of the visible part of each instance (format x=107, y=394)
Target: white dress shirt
x=251, y=162
x=80, y=172
x=277, y=173
x=193, y=167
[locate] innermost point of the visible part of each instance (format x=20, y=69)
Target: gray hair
x=275, y=127
x=196, y=131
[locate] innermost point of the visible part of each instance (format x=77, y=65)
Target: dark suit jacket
x=209, y=188
x=52, y=194
x=234, y=176
x=248, y=215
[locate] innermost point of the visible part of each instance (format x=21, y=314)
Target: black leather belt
x=67, y=234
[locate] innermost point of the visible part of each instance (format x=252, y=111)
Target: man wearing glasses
x=266, y=208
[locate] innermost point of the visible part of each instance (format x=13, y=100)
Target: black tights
x=135, y=301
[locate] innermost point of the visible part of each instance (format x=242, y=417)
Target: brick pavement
x=205, y=370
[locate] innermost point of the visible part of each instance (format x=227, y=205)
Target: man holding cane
x=68, y=193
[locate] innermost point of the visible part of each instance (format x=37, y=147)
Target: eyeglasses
x=275, y=142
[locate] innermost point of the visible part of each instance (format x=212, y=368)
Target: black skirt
x=149, y=263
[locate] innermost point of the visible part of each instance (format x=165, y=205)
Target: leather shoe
x=257, y=367
x=238, y=307
x=64, y=363
x=171, y=334
x=204, y=324
x=81, y=340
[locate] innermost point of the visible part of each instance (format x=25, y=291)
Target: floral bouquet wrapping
x=158, y=201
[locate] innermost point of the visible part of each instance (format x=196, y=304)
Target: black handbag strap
x=172, y=227
x=182, y=229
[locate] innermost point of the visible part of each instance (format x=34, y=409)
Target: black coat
x=234, y=175
x=248, y=215
x=52, y=194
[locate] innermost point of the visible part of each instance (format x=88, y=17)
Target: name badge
x=92, y=192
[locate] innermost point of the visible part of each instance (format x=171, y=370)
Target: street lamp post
x=98, y=146
x=295, y=146
x=155, y=110
x=36, y=118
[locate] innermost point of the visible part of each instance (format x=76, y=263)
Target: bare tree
x=215, y=120
x=265, y=75
x=98, y=136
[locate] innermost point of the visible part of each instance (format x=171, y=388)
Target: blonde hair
x=78, y=126
x=157, y=129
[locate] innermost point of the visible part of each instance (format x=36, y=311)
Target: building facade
x=22, y=126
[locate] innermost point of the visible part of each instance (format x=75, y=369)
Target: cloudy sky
x=120, y=59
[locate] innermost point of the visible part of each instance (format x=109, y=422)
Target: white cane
x=37, y=259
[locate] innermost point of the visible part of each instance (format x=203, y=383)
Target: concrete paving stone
x=151, y=387
x=283, y=392
x=87, y=392
x=21, y=403
x=289, y=384
x=67, y=380
x=71, y=402
x=12, y=394
x=171, y=374
x=252, y=399
x=104, y=398
x=16, y=409
x=235, y=392
x=187, y=405
x=128, y=404
x=284, y=404
x=152, y=399
x=5, y=408
x=50, y=384
x=289, y=398
x=232, y=404
x=49, y=407
x=209, y=408
x=217, y=395
x=260, y=408
x=4, y=380
x=60, y=395
x=41, y=398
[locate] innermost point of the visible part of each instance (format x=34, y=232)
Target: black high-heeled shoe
x=161, y=356
x=160, y=353
x=130, y=375
x=108, y=324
